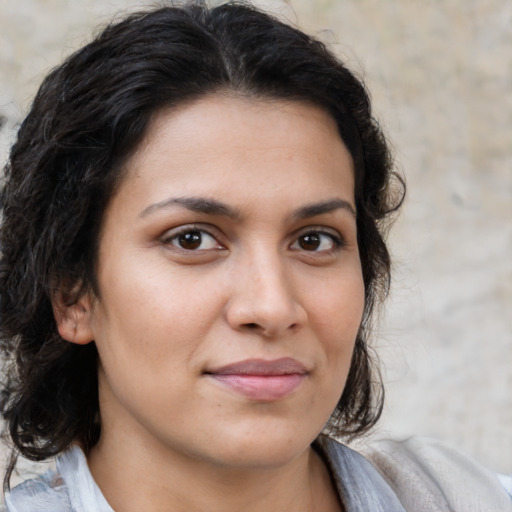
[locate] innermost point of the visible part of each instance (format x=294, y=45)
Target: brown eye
x=310, y=242
x=190, y=241
x=317, y=241
x=193, y=240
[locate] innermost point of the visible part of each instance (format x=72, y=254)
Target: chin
x=264, y=449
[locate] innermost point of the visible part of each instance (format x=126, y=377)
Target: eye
x=193, y=239
x=316, y=241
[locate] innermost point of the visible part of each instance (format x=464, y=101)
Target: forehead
x=226, y=145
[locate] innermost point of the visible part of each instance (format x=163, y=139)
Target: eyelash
x=173, y=236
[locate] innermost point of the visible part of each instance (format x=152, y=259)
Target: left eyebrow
x=328, y=206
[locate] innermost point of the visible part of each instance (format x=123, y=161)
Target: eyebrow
x=331, y=205
x=195, y=204
x=213, y=207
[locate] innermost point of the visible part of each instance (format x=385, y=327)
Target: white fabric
x=506, y=482
x=71, y=489
x=84, y=494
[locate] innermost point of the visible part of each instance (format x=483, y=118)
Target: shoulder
x=46, y=493
x=427, y=475
x=359, y=484
x=68, y=489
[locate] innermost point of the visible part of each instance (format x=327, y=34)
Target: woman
x=192, y=248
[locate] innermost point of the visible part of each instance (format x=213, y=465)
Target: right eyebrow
x=195, y=204
x=331, y=205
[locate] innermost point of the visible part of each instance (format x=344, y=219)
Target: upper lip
x=282, y=366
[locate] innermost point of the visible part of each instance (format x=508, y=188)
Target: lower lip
x=265, y=388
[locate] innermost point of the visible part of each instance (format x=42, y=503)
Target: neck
x=161, y=480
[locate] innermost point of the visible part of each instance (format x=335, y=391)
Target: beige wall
x=440, y=73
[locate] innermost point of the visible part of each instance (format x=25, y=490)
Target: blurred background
x=440, y=75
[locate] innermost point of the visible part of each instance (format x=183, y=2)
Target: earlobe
x=73, y=320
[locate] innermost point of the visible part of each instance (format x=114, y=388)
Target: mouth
x=261, y=380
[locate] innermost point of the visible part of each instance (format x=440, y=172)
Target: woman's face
x=230, y=287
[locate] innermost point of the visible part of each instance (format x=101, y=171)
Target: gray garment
x=428, y=476
x=436, y=479
x=360, y=487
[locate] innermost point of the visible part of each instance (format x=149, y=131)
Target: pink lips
x=262, y=380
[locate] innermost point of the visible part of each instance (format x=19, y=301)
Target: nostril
x=251, y=325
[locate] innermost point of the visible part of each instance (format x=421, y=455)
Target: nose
x=264, y=299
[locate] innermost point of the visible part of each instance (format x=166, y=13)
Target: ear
x=73, y=318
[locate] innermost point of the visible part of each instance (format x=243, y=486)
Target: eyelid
x=323, y=230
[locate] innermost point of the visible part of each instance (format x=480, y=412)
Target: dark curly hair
x=87, y=119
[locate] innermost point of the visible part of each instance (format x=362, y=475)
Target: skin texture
x=184, y=292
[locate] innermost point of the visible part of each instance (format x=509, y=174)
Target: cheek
x=152, y=313
x=338, y=314
x=340, y=305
